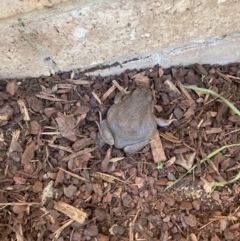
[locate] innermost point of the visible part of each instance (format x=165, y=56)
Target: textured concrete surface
x=17, y=58
x=61, y=35
x=13, y=7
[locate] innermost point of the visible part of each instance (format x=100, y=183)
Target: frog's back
x=132, y=120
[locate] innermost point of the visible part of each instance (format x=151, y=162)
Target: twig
x=18, y=204
x=96, y=97
x=74, y=175
x=131, y=235
x=107, y=177
x=184, y=91
x=120, y=88
x=73, y=155
x=79, y=81
x=54, y=99
x=63, y=148
x=50, y=133
x=233, y=77
x=59, y=230
x=108, y=92
x=223, y=76
x=206, y=225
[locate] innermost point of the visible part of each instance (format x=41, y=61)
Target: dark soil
x=58, y=181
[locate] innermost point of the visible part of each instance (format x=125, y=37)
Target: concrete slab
x=44, y=37
x=18, y=59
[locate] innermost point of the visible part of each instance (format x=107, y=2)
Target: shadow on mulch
x=60, y=182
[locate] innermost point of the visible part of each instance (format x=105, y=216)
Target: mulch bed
x=60, y=182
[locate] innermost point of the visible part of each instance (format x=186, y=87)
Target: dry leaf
x=187, y=161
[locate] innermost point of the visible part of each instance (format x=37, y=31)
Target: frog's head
x=141, y=79
x=143, y=83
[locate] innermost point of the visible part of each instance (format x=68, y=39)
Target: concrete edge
x=157, y=56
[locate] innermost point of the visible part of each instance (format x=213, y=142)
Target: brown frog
x=130, y=122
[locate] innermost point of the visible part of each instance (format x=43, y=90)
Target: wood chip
x=160, y=72
x=105, y=161
x=108, y=92
x=23, y=110
x=5, y=116
x=58, y=232
x=184, y=91
x=15, y=136
x=223, y=76
x=66, y=125
x=28, y=154
x=170, y=137
x=120, y=88
x=233, y=77
x=12, y=87
x=157, y=149
x=116, y=159
x=73, y=174
x=63, y=148
x=54, y=99
x=96, y=97
x=79, y=81
x=87, y=150
x=172, y=87
x=214, y=130
x=107, y=177
x=74, y=213
x=65, y=86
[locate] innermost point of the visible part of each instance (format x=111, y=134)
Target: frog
x=130, y=122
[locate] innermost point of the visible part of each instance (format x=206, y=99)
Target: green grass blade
x=212, y=154
x=227, y=102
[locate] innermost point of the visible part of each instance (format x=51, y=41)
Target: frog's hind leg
x=105, y=132
x=135, y=147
